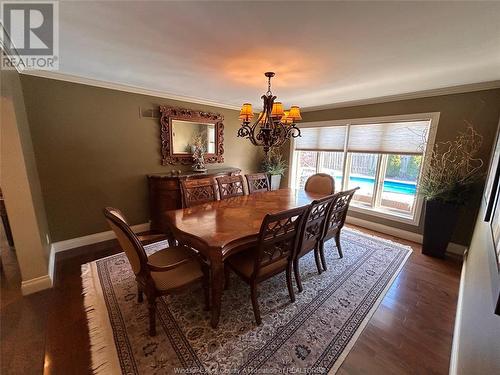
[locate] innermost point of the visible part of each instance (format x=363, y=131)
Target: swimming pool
x=390, y=186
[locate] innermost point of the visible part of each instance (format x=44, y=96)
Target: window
x=383, y=158
x=332, y=163
x=400, y=183
x=362, y=174
x=307, y=166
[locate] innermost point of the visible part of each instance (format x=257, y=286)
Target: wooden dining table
x=222, y=228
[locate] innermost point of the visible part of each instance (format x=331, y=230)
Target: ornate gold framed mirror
x=182, y=129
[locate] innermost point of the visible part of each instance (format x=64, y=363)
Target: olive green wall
x=94, y=150
x=481, y=109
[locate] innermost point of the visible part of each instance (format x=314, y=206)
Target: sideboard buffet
x=165, y=192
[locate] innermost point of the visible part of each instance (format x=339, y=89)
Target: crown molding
x=460, y=89
x=125, y=88
x=162, y=94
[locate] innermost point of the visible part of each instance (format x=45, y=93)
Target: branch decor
x=453, y=168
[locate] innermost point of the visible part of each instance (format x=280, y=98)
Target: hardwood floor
x=410, y=333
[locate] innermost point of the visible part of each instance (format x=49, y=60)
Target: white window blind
x=390, y=137
x=321, y=139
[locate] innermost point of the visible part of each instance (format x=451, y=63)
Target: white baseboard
x=453, y=248
x=35, y=285
x=458, y=322
x=92, y=239
x=72, y=243
x=52, y=265
x=396, y=232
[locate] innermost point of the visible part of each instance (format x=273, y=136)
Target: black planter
x=440, y=221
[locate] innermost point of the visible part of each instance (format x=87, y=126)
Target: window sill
x=393, y=216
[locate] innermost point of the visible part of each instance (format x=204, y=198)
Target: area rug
x=312, y=335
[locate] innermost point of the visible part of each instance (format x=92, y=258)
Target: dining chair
x=230, y=186
x=198, y=191
x=312, y=230
x=146, y=239
x=167, y=271
x=320, y=183
x=272, y=255
x=335, y=221
x=257, y=182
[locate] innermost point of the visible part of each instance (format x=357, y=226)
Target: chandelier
x=273, y=126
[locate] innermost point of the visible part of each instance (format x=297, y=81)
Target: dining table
x=222, y=228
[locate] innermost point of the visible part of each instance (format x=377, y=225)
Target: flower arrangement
x=452, y=169
x=198, y=149
x=274, y=164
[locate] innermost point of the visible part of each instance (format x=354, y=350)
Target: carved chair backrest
x=278, y=237
x=314, y=224
x=128, y=241
x=230, y=186
x=320, y=183
x=198, y=191
x=338, y=212
x=257, y=182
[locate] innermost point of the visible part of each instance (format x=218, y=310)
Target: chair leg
x=140, y=296
x=337, y=242
x=227, y=277
x=289, y=285
x=206, y=286
x=316, y=258
x=170, y=238
x=255, y=303
x=152, y=315
x=322, y=255
x=297, y=274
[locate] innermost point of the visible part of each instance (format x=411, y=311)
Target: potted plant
x=275, y=167
x=450, y=173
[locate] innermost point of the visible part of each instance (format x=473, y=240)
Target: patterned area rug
x=312, y=335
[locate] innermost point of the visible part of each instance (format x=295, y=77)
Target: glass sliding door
x=400, y=183
x=332, y=163
x=363, y=170
x=307, y=163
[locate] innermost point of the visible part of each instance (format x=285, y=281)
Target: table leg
x=217, y=285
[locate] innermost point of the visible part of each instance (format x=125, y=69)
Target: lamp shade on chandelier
x=273, y=126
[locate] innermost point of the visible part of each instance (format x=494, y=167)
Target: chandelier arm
x=254, y=139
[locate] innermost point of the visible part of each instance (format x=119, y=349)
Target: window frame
x=375, y=210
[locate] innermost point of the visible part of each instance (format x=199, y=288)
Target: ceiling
x=322, y=52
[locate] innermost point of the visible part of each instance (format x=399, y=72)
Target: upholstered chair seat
x=244, y=263
x=186, y=273
x=320, y=183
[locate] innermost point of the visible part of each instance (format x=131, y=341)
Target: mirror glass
x=187, y=134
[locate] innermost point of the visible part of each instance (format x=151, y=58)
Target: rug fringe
x=102, y=346
x=100, y=353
